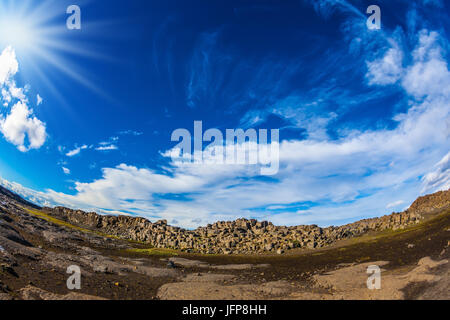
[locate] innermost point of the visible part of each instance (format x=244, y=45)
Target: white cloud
x=429, y=74
x=20, y=124
x=439, y=179
x=76, y=151
x=395, y=204
x=102, y=146
x=388, y=69
x=39, y=100
x=66, y=171
x=12, y=92
x=106, y=147
x=8, y=65
x=8, y=69
x=31, y=195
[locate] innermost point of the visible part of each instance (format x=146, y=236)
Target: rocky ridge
x=36, y=251
x=245, y=236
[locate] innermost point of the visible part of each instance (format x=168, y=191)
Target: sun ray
x=67, y=68
x=73, y=48
x=37, y=32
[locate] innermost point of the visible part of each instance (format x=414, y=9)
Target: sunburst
x=37, y=31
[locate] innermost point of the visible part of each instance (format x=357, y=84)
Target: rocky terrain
x=246, y=236
x=132, y=258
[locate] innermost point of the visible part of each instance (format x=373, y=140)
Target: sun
x=37, y=32
x=25, y=25
x=16, y=33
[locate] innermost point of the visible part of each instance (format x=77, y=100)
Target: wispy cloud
x=76, y=151
x=327, y=7
x=388, y=69
x=439, y=179
x=107, y=147
x=372, y=168
x=395, y=204
x=39, y=100
x=131, y=132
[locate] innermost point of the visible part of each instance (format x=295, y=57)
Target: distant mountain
x=17, y=198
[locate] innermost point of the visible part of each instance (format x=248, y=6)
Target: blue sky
x=87, y=115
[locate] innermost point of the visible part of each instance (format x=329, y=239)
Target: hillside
x=132, y=258
x=246, y=236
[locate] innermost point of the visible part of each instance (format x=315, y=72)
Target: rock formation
x=244, y=236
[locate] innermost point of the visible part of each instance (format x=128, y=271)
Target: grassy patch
x=363, y=259
x=51, y=219
x=154, y=252
x=62, y=223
